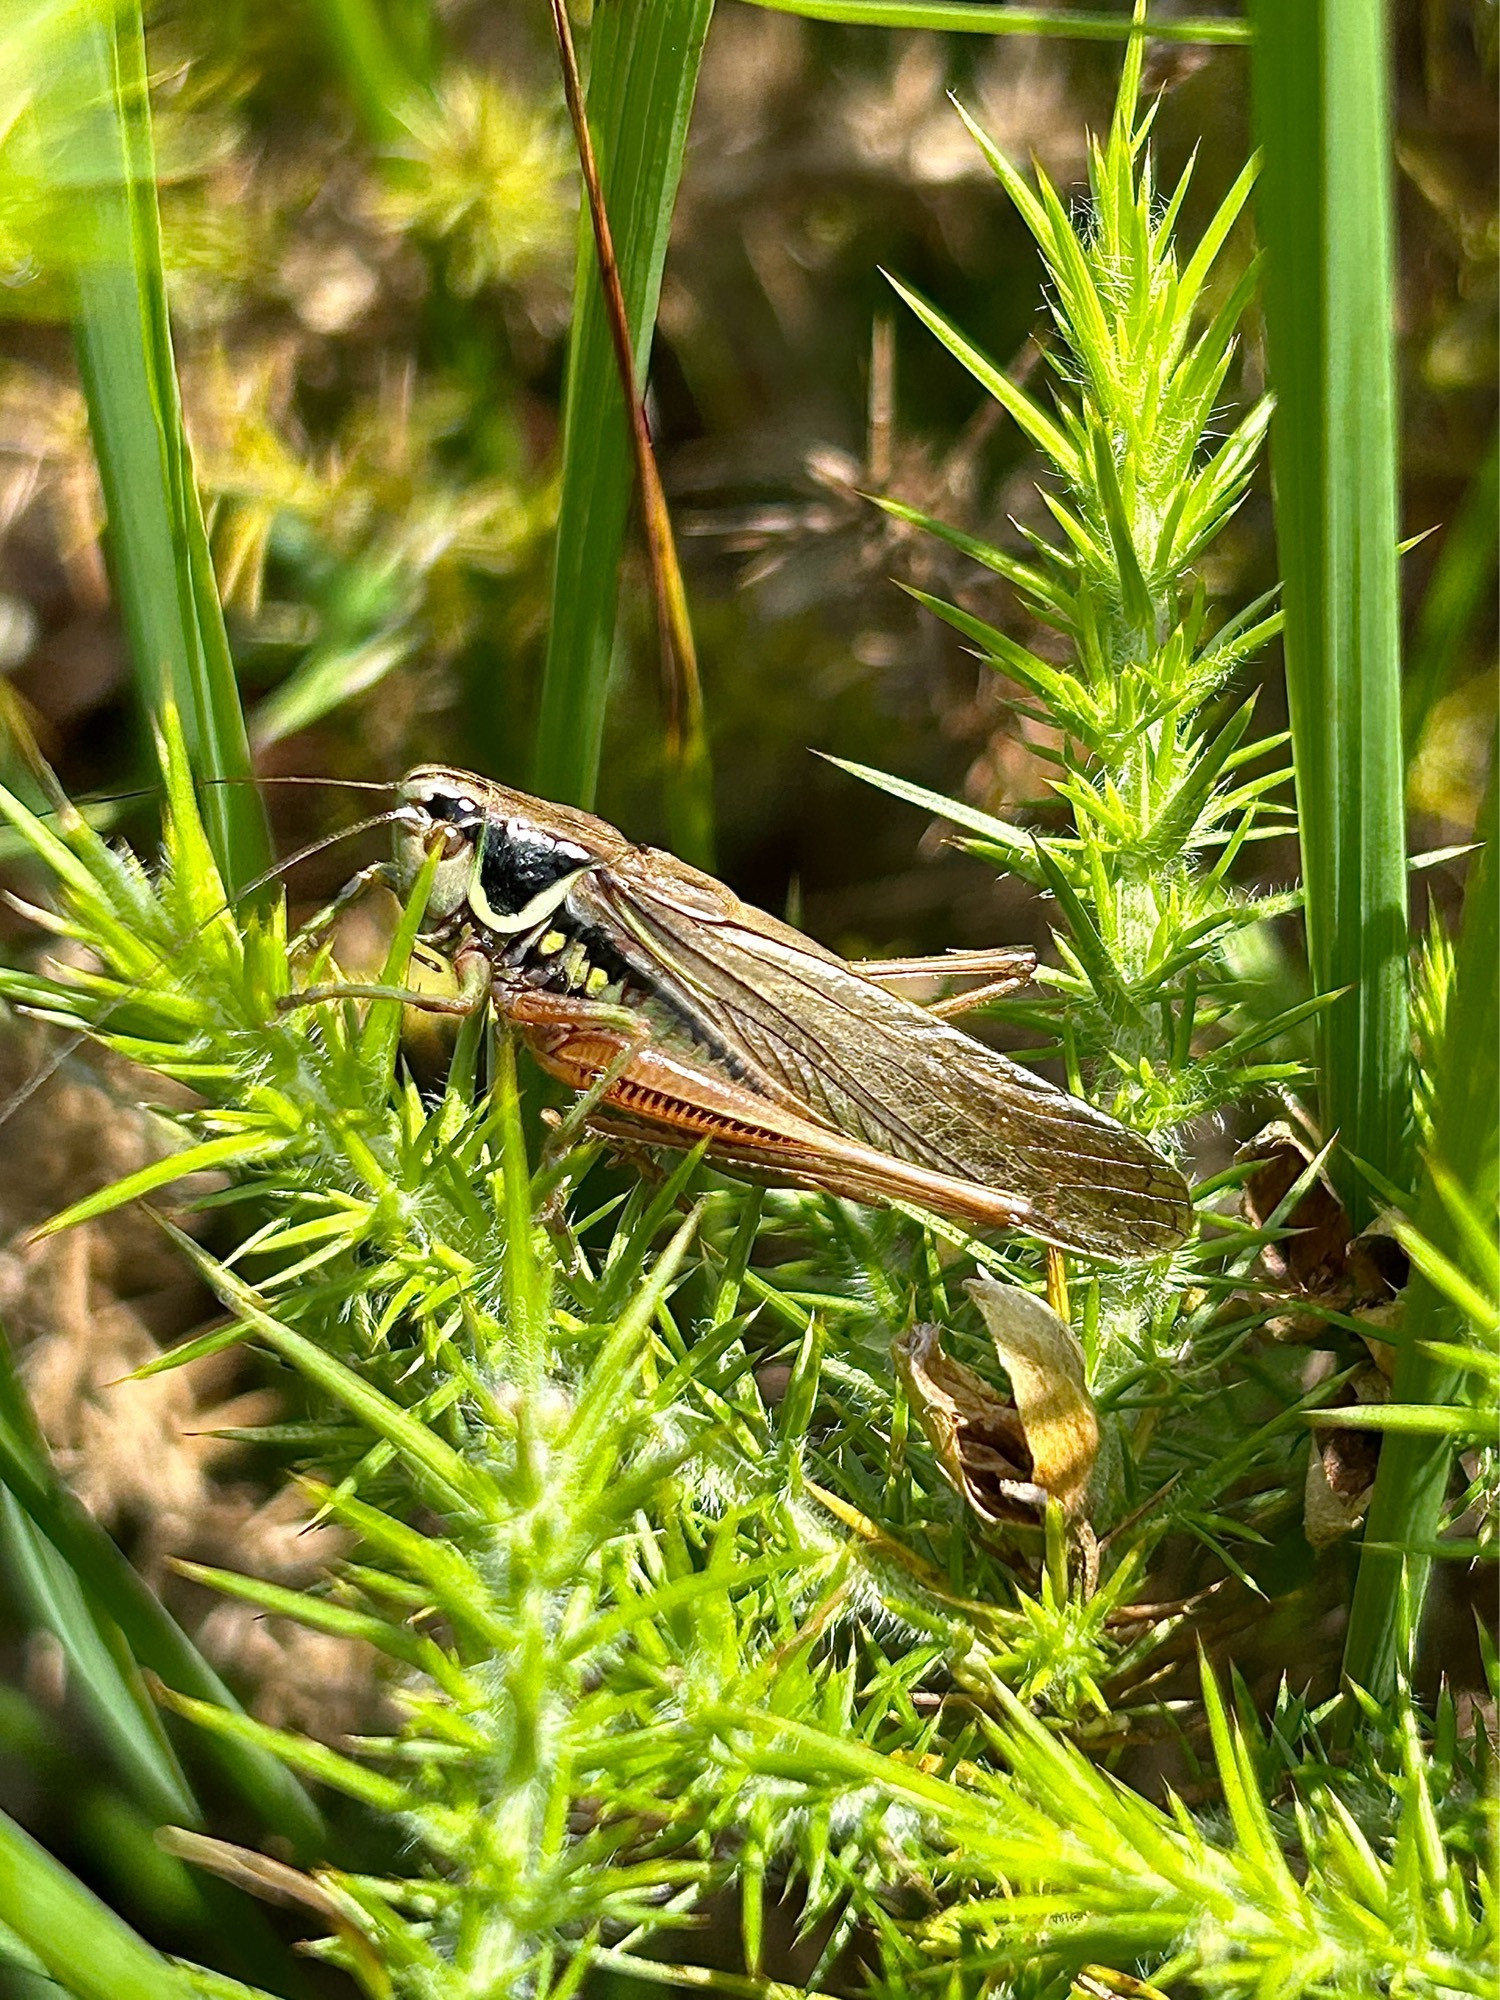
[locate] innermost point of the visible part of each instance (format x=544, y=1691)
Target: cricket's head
x=506, y=857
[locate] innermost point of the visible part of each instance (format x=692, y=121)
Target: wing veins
x=1010, y=1130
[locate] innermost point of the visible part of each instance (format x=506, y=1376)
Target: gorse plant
x=638, y=1653
x=1156, y=766
x=1164, y=785
x=1156, y=787
x=676, y=1596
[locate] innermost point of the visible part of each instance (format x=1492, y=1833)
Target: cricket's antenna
x=45, y=1074
x=154, y=791
x=334, y=784
x=313, y=847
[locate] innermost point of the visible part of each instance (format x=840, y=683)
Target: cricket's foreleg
x=1001, y=972
x=317, y=927
x=474, y=977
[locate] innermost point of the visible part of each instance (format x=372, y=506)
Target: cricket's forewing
x=815, y=1034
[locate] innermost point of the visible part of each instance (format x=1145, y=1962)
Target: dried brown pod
x=1007, y=1456
x=1312, y=1257
x=1321, y=1268
x=1319, y=1265
x=1341, y=1465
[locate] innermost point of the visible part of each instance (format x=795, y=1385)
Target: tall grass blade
x=643, y=72
x=689, y=777
x=109, y=1694
x=1321, y=84
x=118, y=1599
x=84, y=1946
x=1411, y=1484
x=975, y=17
x=1461, y=586
x=160, y=561
x=378, y=81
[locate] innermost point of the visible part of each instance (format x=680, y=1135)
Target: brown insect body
x=729, y=1026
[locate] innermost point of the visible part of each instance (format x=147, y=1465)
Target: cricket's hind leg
x=663, y=1098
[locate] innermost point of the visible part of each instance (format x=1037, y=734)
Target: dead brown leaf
x=1007, y=1456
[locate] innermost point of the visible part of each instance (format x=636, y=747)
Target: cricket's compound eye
x=455, y=809
x=436, y=812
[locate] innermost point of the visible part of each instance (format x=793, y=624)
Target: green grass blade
x=1449, y=1420
x=1461, y=586
x=110, y=1694
x=113, y=1590
x=974, y=17
x=378, y=81
x=643, y=73
x=1321, y=87
x=1411, y=1484
x=160, y=562
x=84, y=1946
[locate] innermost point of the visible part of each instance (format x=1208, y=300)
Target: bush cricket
x=712, y=1022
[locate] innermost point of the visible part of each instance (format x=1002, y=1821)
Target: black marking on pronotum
x=519, y=861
